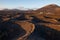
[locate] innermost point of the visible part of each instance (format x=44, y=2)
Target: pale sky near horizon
x=26, y=3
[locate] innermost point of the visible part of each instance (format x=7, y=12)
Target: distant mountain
x=52, y=8
x=48, y=8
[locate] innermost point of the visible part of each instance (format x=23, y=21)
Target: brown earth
x=40, y=24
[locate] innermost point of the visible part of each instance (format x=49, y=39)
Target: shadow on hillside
x=35, y=20
x=10, y=31
x=38, y=34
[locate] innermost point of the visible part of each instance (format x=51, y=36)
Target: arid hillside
x=40, y=24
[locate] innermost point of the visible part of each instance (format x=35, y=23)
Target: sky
x=26, y=3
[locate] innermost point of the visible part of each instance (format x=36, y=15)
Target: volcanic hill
x=40, y=24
